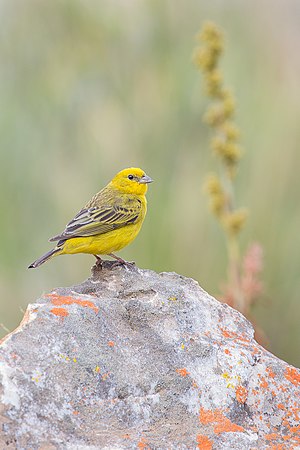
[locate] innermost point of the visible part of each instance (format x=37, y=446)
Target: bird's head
x=131, y=181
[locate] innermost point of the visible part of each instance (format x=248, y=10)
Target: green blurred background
x=91, y=87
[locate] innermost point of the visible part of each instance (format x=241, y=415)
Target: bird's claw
x=98, y=263
x=123, y=263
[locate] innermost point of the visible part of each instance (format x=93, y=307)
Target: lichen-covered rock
x=135, y=359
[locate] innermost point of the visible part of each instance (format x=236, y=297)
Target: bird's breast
x=103, y=244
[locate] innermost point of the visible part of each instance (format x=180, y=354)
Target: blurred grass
x=88, y=88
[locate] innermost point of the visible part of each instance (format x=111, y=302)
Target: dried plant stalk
x=242, y=285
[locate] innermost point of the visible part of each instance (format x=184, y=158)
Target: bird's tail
x=45, y=258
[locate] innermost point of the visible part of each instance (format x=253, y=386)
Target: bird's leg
x=120, y=260
x=98, y=261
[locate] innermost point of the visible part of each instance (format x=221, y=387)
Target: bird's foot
x=121, y=261
x=99, y=262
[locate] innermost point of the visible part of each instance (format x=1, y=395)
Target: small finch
x=111, y=220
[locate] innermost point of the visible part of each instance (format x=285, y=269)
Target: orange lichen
x=204, y=443
x=287, y=437
x=126, y=436
x=59, y=300
x=111, y=343
x=62, y=312
x=183, y=372
x=227, y=351
x=263, y=384
x=221, y=423
x=142, y=444
x=206, y=416
x=255, y=350
x=270, y=372
x=241, y=394
x=75, y=413
x=254, y=392
x=271, y=436
x=282, y=388
x=295, y=412
x=232, y=335
x=225, y=426
x=292, y=375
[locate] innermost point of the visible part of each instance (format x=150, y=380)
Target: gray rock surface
x=132, y=359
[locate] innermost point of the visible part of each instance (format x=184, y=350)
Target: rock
x=132, y=359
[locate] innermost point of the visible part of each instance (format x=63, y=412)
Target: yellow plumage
x=109, y=221
x=103, y=244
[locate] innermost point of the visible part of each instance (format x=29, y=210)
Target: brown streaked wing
x=93, y=221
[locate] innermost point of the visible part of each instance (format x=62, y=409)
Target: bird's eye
x=130, y=177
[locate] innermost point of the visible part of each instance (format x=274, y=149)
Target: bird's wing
x=92, y=221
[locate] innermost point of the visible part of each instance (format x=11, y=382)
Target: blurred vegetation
x=88, y=88
x=243, y=287
x=224, y=144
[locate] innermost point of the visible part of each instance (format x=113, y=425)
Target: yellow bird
x=109, y=221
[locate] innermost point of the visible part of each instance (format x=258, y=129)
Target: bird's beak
x=145, y=180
